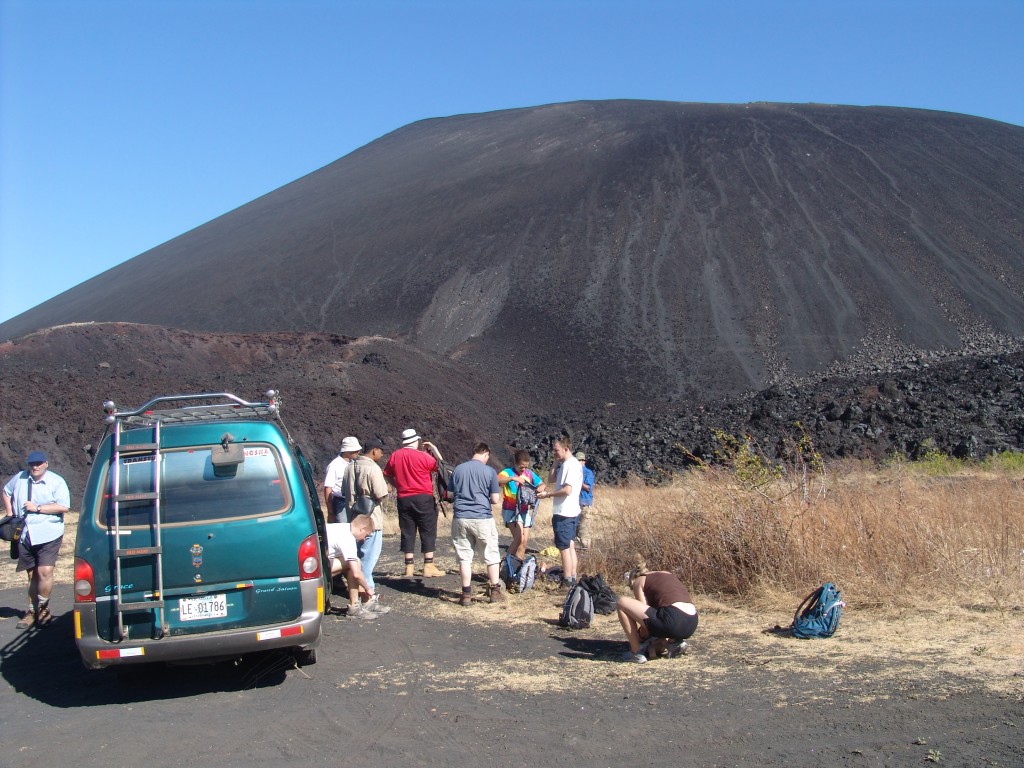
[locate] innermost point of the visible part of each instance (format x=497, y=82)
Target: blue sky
x=124, y=123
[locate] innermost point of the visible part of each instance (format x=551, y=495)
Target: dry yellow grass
x=888, y=537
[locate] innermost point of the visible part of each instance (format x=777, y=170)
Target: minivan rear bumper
x=96, y=653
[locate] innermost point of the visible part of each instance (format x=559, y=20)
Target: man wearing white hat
x=410, y=469
x=333, y=498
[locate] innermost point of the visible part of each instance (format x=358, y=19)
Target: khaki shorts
x=478, y=536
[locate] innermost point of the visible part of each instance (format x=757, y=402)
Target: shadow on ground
x=43, y=663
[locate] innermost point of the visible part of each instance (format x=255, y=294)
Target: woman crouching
x=660, y=615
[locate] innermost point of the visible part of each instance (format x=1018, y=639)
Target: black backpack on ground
x=600, y=593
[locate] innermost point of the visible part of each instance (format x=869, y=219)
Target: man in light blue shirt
x=41, y=497
x=583, y=530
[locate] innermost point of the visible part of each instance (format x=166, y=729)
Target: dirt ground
x=432, y=682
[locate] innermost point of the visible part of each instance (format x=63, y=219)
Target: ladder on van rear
x=142, y=452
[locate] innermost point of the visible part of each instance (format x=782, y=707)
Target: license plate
x=207, y=607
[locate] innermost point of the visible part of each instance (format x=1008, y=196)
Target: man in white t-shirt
x=567, y=479
x=342, y=549
x=333, y=498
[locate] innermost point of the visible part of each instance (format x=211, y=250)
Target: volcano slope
x=658, y=251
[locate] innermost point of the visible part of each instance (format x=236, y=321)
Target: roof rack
x=200, y=409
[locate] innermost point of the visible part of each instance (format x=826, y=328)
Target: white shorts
x=341, y=544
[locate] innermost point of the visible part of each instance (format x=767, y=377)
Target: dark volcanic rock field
x=52, y=385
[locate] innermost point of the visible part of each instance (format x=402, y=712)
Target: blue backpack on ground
x=578, y=609
x=518, y=575
x=818, y=614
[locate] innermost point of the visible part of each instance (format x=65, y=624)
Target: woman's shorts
x=565, y=530
x=525, y=519
x=670, y=622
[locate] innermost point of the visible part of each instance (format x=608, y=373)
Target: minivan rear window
x=193, y=490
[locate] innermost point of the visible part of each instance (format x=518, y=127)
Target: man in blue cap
x=40, y=497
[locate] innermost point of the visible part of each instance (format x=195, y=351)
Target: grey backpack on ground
x=578, y=609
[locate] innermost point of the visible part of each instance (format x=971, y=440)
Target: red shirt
x=409, y=470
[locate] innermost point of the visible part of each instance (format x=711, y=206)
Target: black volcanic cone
x=638, y=249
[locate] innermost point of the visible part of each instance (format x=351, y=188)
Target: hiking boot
x=27, y=620
x=359, y=612
x=677, y=649
x=410, y=569
x=43, y=615
x=634, y=658
x=431, y=571
x=466, y=600
x=495, y=594
x=373, y=606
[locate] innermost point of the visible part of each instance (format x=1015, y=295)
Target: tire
x=305, y=657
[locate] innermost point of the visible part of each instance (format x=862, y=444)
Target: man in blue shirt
x=473, y=528
x=583, y=531
x=41, y=497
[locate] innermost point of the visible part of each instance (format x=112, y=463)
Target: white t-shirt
x=341, y=544
x=336, y=474
x=570, y=473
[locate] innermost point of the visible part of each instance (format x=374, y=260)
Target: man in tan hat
x=334, y=501
x=410, y=469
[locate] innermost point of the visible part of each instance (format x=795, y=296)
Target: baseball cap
x=372, y=443
x=581, y=455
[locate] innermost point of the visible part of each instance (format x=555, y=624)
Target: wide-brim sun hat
x=409, y=437
x=350, y=444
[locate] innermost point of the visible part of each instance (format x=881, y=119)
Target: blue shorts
x=525, y=519
x=565, y=530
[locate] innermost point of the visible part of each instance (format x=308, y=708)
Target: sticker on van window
x=197, y=555
x=257, y=451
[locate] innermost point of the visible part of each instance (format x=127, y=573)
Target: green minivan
x=201, y=536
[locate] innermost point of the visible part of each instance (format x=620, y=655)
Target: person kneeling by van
x=343, y=550
x=659, y=616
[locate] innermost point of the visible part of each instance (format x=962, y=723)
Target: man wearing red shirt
x=410, y=469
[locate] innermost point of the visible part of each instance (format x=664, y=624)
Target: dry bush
x=889, y=536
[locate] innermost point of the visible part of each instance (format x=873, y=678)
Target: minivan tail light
x=309, y=558
x=85, y=583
